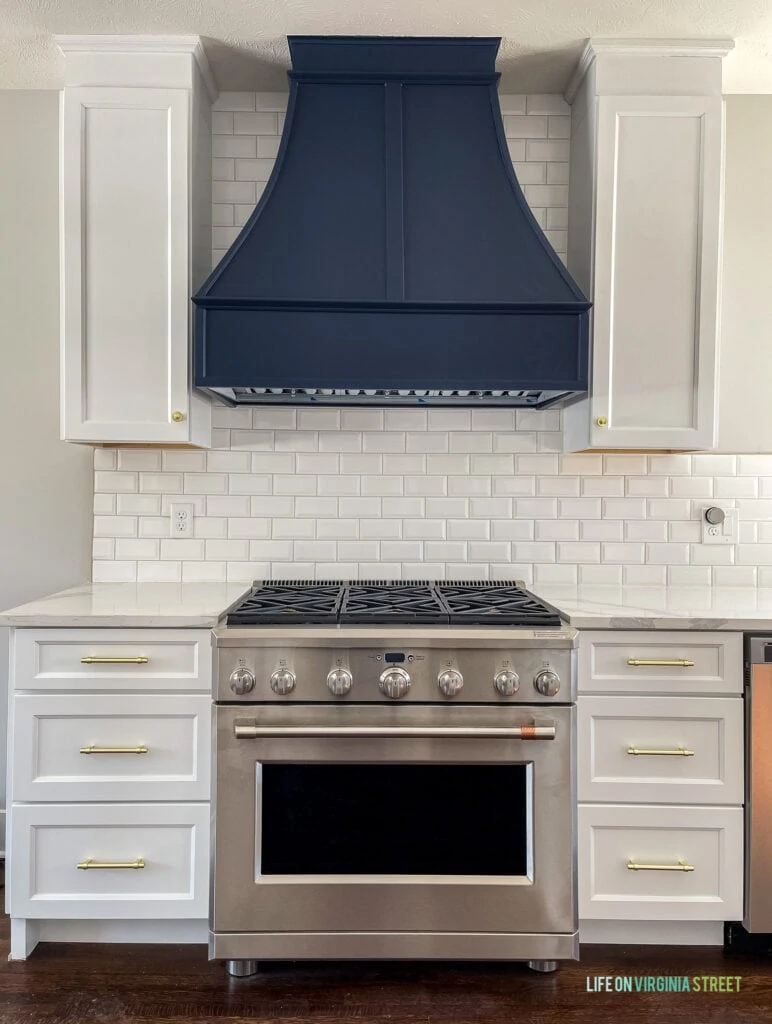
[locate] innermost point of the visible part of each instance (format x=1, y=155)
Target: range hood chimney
x=392, y=258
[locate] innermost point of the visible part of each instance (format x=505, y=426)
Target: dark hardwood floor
x=99, y=984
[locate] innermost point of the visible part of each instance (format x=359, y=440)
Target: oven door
x=408, y=822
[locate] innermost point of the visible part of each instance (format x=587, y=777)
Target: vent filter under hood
x=392, y=258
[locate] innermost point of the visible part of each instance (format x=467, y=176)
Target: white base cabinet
x=109, y=781
x=660, y=780
x=647, y=862
x=135, y=210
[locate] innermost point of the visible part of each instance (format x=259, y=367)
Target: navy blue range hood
x=392, y=258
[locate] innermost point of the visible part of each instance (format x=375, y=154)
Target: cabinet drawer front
x=140, y=748
x=629, y=749
x=168, y=843
x=659, y=841
x=649, y=661
x=113, y=659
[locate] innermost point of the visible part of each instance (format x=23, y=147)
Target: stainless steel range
x=394, y=775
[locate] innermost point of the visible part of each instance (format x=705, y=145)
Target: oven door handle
x=248, y=729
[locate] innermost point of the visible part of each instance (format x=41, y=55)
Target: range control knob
x=450, y=682
x=339, y=682
x=547, y=682
x=283, y=681
x=506, y=682
x=242, y=681
x=394, y=683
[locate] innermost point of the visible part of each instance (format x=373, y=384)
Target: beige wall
x=746, y=344
x=45, y=484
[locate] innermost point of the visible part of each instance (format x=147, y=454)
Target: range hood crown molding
x=392, y=258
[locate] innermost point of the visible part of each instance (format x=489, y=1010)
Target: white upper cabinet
x=645, y=243
x=135, y=209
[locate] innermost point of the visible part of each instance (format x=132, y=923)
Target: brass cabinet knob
x=601, y=421
x=178, y=416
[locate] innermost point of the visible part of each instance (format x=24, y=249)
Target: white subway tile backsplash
x=601, y=529
x=440, y=492
x=645, y=575
x=115, y=483
x=138, y=504
x=647, y=530
x=689, y=575
x=562, y=486
x=510, y=529
x=650, y=486
x=115, y=526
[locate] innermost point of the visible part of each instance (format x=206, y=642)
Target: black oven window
x=394, y=819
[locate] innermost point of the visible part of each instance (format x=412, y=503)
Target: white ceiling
x=245, y=39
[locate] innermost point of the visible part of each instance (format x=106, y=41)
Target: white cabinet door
x=658, y=202
x=125, y=265
x=102, y=861
x=665, y=750
x=650, y=863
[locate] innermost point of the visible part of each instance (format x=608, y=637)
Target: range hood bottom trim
x=525, y=400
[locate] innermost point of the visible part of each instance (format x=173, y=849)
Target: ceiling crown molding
x=644, y=48
x=143, y=44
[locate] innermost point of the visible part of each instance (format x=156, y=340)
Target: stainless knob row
x=395, y=682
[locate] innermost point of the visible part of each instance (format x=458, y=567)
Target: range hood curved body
x=392, y=258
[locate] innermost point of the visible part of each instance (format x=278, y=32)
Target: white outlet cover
x=181, y=519
x=724, y=533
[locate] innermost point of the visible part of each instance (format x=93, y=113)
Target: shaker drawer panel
x=650, y=661
x=111, y=747
x=661, y=749
x=632, y=860
x=113, y=659
x=154, y=861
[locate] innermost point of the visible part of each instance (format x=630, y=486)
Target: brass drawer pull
x=141, y=660
x=680, y=866
x=660, y=662
x=87, y=865
x=93, y=749
x=678, y=752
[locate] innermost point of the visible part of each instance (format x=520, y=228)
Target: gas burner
x=381, y=603
x=411, y=602
x=289, y=602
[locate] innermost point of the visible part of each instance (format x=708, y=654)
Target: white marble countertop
x=202, y=605
x=168, y=605
x=705, y=608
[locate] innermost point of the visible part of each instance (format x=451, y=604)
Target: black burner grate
x=380, y=603
x=289, y=602
x=492, y=604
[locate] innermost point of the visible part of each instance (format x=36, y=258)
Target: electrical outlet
x=181, y=516
x=725, y=532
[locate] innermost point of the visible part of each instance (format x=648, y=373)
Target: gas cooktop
x=372, y=602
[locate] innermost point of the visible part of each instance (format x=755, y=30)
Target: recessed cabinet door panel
x=125, y=264
x=658, y=198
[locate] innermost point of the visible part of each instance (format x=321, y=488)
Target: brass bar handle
x=140, y=660
x=680, y=866
x=103, y=865
x=93, y=749
x=660, y=663
x=678, y=752
x=251, y=731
